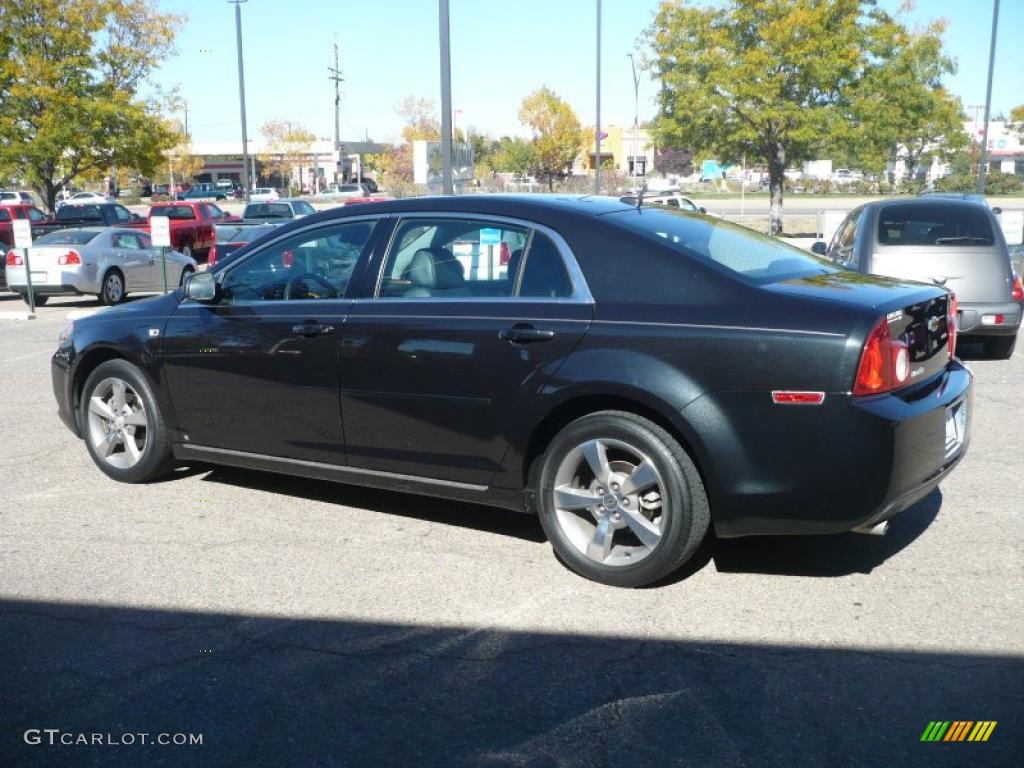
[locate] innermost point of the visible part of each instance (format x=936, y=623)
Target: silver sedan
x=107, y=261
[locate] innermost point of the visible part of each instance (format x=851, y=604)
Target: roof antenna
x=640, y=196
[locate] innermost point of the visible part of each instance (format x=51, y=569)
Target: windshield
x=754, y=256
x=67, y=237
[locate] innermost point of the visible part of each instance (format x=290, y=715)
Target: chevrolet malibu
x=633, y=376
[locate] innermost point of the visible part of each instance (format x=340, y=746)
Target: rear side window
x=934, y=224
x=544, y=275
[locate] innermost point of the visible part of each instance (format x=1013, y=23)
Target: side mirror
x=702, y=209
x=201, y=286
x=997, y=211
x=819, y=248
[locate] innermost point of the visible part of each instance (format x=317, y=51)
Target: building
x=619, y=150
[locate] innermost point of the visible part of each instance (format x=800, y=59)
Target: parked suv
x=950, y=242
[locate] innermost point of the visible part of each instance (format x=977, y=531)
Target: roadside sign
x=160, y=230
x=1012, y=223
x=490, y=236
x=22, y=233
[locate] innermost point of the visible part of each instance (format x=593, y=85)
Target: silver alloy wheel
x=114, y=288
x=609, y=499
x=117, y=423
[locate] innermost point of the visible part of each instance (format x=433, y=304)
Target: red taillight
x=70, y=258
x=1018, y=288
x=505, y=255
x=789, y=397
x=14, y=260
x=211, y=259
x=884, y=363
x=951, y=321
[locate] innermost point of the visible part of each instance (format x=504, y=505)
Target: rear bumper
x=852, y=462
x=970, y=319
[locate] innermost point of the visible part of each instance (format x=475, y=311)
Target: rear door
x=135, y=261
x=954, y=244
x=443, y=358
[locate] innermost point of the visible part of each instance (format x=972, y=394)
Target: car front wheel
x=620, y=500
x=122, y=424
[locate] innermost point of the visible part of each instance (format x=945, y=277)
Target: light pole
x=636, y=111
x=988, y=98
x=446, y=99
x=246, y=184
x=597, y=113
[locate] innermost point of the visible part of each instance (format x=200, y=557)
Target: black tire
x=684, y=520
x=109, y=294
x=156, y=459
x=999, y=347
x=39, y=300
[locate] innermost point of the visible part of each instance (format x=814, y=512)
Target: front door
x=257, y=371
x=467, y=322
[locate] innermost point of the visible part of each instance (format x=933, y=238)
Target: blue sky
x=501, y=51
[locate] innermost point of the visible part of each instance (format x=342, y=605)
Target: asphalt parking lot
x=294, y=622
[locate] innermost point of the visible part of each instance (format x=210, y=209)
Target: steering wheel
x=330, y=294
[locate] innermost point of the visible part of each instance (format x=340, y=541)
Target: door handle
x=310, y=329
x=522, y=333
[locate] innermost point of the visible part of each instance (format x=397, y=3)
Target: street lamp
x=636, y=110
x=241, y=97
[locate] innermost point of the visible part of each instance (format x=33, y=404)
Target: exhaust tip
x=879, y=529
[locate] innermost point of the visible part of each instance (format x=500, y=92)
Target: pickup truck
x=204, y=192
x=38, y=221
x=90, y=215
x=191, y=225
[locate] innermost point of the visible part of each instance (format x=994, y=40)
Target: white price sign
x=22, y=233
x=160, y=229
x=1012, y=223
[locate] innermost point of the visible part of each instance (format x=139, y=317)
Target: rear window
x=267, y=211
x=754, y=256
x=67, y=237
x=932, y=224
x=173, y=211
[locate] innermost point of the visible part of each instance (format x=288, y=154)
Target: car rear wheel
x=999, y=347
x=620, y=500
x=122, y=424
x=112, y=290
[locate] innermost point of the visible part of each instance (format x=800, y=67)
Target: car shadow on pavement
x=457, y=513
x=835, y=555
x=294, y=691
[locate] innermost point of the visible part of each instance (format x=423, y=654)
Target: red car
x=191, y=225
x=8, y=213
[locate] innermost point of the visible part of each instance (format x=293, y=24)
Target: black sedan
x=631, y=376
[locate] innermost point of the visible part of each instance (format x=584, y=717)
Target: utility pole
x=636, y=112
x=246, y=184
x=988, y=98
x=186, y=119
x=597, y=117
x=338, y=79
x=446, y=98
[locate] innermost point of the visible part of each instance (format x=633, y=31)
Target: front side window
x=215, y=211
x=452, y=258
x=123, y=214
x=934, y=224
x=34, y=214
x=311, y=265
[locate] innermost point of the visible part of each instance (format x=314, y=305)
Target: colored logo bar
x=958, y=730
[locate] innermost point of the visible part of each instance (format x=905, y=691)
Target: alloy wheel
x=608, y=499
x=117, y=423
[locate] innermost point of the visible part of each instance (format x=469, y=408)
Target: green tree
x=901, y=110
x=513, y=155
x=557, y=136
x=785, y=80
x=288, y=143
x=70, y=77
x=1017, y=120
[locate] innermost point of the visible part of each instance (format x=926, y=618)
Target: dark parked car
x=953, y=242
x=232, y=237
x=629, y=375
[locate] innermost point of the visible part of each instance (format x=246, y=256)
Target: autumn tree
x=557, y=136
x=513, y=155
x=71, y=77
x=288, y=144
x=1017, y=120
x=788, y=80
